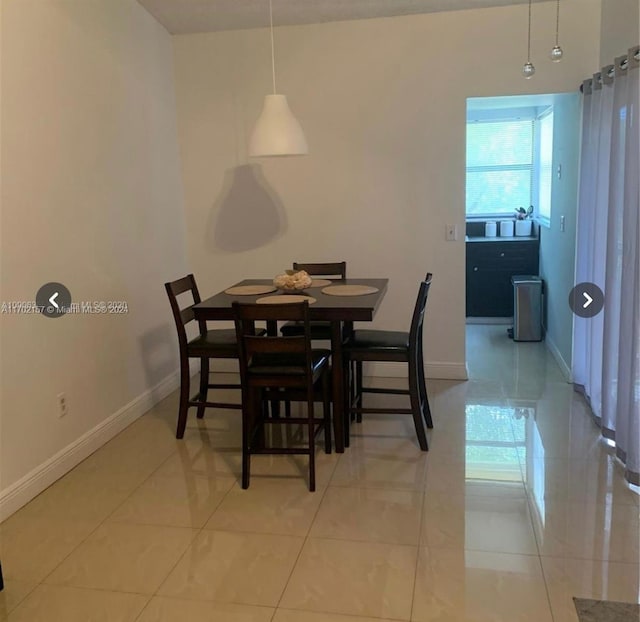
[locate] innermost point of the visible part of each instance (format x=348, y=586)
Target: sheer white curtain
x=606, y=356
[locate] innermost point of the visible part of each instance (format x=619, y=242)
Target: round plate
x=284, y=299
x=349, y=290
x=320, y=282
x=250, y=290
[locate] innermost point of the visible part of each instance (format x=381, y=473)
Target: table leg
x=272, y=331
x=340, y=431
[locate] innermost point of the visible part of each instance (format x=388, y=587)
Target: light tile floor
x=516, y=508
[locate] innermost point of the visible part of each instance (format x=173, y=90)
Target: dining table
x=340, y=310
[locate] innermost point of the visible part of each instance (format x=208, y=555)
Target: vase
x=506, y=228
x=523, y=228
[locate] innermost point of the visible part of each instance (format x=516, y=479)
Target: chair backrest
x=415, y=332
x=427, y=280
x=336, y=270
x=182, y=316
x=275, y=348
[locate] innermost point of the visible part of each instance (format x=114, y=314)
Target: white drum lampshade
x=277, y=132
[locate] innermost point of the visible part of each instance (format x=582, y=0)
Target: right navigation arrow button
x=586, y=300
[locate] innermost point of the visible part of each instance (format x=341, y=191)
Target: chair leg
x=426, y=409
x=359, y=382
x=416, y=409
x=350, y=393
x=349, y=387
x=326, y=411
x=424, y=399
x=247, y=434
x=258, y=411
x=275, y=409
x=348, y=382
x=312, y=446
x=183, y=409
x=204, y=385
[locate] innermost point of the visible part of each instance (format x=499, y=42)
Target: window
x=509, y=161
x=499, y=166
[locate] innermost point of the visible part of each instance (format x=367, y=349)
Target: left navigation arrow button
x=53, y=300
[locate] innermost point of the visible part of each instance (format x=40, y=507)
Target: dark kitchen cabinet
x=490, y=266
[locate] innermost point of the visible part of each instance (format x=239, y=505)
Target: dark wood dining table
x=339, y=310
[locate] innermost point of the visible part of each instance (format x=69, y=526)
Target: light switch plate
x=451, y=233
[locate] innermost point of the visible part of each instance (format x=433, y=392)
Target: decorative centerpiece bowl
x=292, y=281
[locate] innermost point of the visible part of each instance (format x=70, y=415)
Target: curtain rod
x=608, y=73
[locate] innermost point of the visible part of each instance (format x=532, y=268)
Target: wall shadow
x=247, y=215
x=160, y=356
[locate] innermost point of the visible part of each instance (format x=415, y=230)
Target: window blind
x=499, y=166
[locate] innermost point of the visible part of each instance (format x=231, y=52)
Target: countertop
x=514, y=238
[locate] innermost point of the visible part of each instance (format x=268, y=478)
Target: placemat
x=606, y=611
x=250, y=290
x=284, y=298
x=320, y=282
x=349, y=290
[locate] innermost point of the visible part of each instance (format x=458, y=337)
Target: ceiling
x=190, y=16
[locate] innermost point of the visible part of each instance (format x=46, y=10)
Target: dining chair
x=207, y=344
x=422, y=384
x=336, y=271
x=281, y=368
x=330, y=270
x=393, y=346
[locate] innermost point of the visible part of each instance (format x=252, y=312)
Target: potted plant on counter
x=523, y=221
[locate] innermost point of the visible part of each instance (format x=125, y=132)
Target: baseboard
x=553, y=348
x=506, y=321
x=33, y=483
x=433, y=369
x=447, y=371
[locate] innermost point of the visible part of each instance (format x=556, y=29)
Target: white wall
x=557, y=247
x=382, y=103
x=91, y=197
x=619, y=29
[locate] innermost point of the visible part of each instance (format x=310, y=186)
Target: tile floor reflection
x=516, y=508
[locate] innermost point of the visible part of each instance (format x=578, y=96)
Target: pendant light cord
x=557, y=20
x=273, y=57
x=528, y=35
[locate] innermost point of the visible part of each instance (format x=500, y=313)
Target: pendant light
x=556, y=53
x=528, y=69
x=277, y=132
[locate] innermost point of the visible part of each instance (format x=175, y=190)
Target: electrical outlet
x=451, y=233
x=562, y=225
x=62, y=404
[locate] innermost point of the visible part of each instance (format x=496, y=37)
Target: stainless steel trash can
x=527, y=308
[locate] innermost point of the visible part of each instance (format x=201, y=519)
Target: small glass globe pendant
x=556, y=54
x=528, y=70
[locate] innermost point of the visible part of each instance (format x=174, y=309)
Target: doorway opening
x=522, y=155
